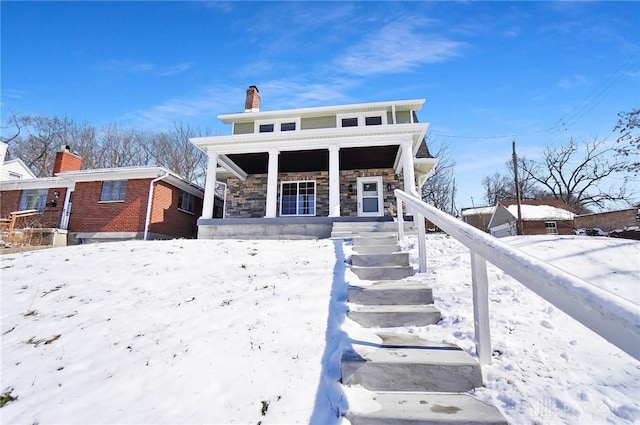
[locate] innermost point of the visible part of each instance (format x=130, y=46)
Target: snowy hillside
x=250, y=332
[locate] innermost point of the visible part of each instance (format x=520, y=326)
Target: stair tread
x=394, y=308
x=423, y=408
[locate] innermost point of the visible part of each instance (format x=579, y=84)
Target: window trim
x=277, y=125
x=297, y=182
x=554, y=226
x=181, y=198
x=41, y=194
x=362, y=117
x=111, y=200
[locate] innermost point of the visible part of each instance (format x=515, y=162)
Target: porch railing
x=612, y=317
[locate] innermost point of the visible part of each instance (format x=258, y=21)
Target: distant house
x=478, y=217
x=539, y=217
x=301, y=165
x=105, y=204
x=16, y=169
x=610, y=220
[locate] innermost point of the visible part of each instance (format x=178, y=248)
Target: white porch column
x=210, y=186
x=334, y=181
x=272, y=184
x=407, y=168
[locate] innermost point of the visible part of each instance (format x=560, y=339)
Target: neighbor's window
x=298, y=198
x=350, y=122
x=551, y=227
x=185, y=201
x=287, y=126
x=266, y=128
x=113, y=190
x=33, y=199
x=373, y=120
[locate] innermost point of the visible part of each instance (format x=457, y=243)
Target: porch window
x=185, y=201
x=33, y=199
x=298, y=198
x=550, y=227
x=266, y=128
x=113, y=190
x=288, y=126
x=350, y=122
x=373, y=120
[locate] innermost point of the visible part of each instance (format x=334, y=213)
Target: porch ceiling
x=318, y=160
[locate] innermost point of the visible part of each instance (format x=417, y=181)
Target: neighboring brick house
x=106, y=204
x=539, y=217
x=298, y=165
x=610, y=220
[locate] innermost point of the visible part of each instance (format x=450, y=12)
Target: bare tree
x=576, y=174
x=40, y=137
x=629, y=128
x=497, y=187
x=172, y=150
x=122, y=147
x=440, y=188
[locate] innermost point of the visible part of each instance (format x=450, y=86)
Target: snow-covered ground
x=192, y=331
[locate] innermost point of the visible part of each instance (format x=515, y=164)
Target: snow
x=195, y=331
x=541, y=212
x=479, y=210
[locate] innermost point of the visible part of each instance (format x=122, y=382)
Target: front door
x=370, y=197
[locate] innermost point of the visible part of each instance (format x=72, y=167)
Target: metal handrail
x=614, y=318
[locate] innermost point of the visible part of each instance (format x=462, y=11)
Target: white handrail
x=612, y=317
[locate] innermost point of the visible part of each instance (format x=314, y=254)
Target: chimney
x=252, y=102
x=66, y=161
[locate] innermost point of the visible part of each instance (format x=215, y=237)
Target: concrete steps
x=391, y=293
x=411, y=408
x=409, y=380
x=388, y=316
x=408, y=363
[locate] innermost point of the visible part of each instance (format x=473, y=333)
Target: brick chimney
x=252, y=102
x=66, y=161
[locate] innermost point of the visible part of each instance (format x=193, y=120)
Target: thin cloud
x=126, y=66
x=398, y=47
x=576, y=80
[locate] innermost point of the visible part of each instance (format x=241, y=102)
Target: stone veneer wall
x=248, y=199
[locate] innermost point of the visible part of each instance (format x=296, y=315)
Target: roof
x=70, y=178
x=478, y=210
x=17, y=166
x=558, y=203
x=541, y=212
x=399, y=105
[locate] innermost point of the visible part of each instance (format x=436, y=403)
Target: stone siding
x=248, y=199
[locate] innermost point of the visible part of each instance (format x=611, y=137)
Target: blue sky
x=538, y=73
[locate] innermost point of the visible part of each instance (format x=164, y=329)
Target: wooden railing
x=614, y=318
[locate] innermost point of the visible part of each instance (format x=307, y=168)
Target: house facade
x=331, y=162
x=539, y=217
x=105, y=204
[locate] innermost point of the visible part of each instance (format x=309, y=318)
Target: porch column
x=407, y=168
x=272, y=185
x=210, y=186
x=334, y=181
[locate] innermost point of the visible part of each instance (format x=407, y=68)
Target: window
x=113, y=190
x=551, y=227
x=373, y=121
x=287, y=126
x=349, y=122
x=185, y=201
x=266, y=128
x=298, y=198
x=33, y=199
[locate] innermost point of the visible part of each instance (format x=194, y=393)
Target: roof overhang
x=37, y=183
x=399, y=105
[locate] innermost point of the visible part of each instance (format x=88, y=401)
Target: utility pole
x=518, y=195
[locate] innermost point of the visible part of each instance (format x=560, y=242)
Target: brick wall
x=50, y=217
x=565, y=227
x=248, y=199
x=608, y=221
x=167, y=219
x=88, y=214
